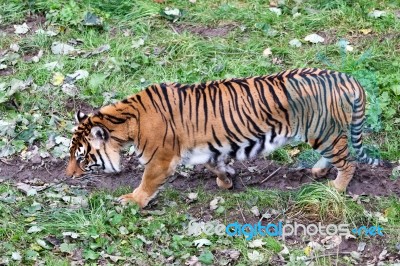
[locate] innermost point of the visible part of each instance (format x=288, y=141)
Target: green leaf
x=67, y=248
x=206, y=257
x=396, y=89
x=96, y=80
x=116, y=219
x=91, y=19
x=90, y=254
x=31, y=254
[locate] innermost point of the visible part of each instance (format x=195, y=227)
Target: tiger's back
x=207, y=123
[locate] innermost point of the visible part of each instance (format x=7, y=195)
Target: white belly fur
x=202, y=155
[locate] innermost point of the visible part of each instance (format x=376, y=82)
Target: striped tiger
x=209, y=122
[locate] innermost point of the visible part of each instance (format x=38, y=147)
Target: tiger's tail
x=356, y=127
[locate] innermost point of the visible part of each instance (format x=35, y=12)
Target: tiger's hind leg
x=221, y=170
x=336, y=152
x=321, y=168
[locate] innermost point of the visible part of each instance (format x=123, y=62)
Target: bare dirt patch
x=73, y=105
x=367, y=180
x=203, y=31
x=34, y=22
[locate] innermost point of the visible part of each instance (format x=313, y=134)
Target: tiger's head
x=92, y=148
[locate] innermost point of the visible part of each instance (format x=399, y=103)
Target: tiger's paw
x=139, y=197
x=338, y=187
x=224, y=184
x=319, y=172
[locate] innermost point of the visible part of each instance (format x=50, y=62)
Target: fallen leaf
x=67, y=248
x=257, y=243
x=293, y=152
x=214, y=203
x=99, y=50
x=34, y=229
x=202, y=242
x=383, y=254
x=14, y=47
x=70, y=89
x=71, y=234
x=193, y=261
x=254, y=210
x=62, y=140
x=349, y=48
x=366, y=31
x=361, y=246
x=231, y=253
x=92, y=19
x=381, y=217
x=284, y=251
x=46, y=32
x=123, y=230
x=76, y=200
x=314, y=38
x=267, y=52
x=27, y=189
x=295, y=43
x=377, y=14
x=61, y=48
x=355, y=255
x=114, y=258
x=57, y=79
x=52, y=65
x=296, y=15
x=138, y=43
x=307, y=251
x=255, y=256
x=77, y=75
x=21, y=29
x=37, y=57
x=43, y=243
x=192, y=1
x=330, y=242
x=276, y=10
x=172, y=12
x=3, y=66
x=16, y=256
x=191, y=197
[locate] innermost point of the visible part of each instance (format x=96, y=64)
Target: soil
x=75, y=104
x=367, y=180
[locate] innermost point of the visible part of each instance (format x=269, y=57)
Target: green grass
x=169, y=54
x=150, y=236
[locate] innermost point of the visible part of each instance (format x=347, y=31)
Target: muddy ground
x=367, y=180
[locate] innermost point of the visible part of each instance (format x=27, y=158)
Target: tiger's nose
x=73, y=170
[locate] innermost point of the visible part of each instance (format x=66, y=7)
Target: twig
x=329, y=254
x=172, y=27
x=241, y=180
x=241, y=212
x=268, y=177
x=5, y=162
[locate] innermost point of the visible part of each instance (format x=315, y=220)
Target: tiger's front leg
x=155, y=174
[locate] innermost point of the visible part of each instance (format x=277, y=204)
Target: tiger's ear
x=80, y=116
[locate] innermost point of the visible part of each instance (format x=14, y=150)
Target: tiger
x=208, y=123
